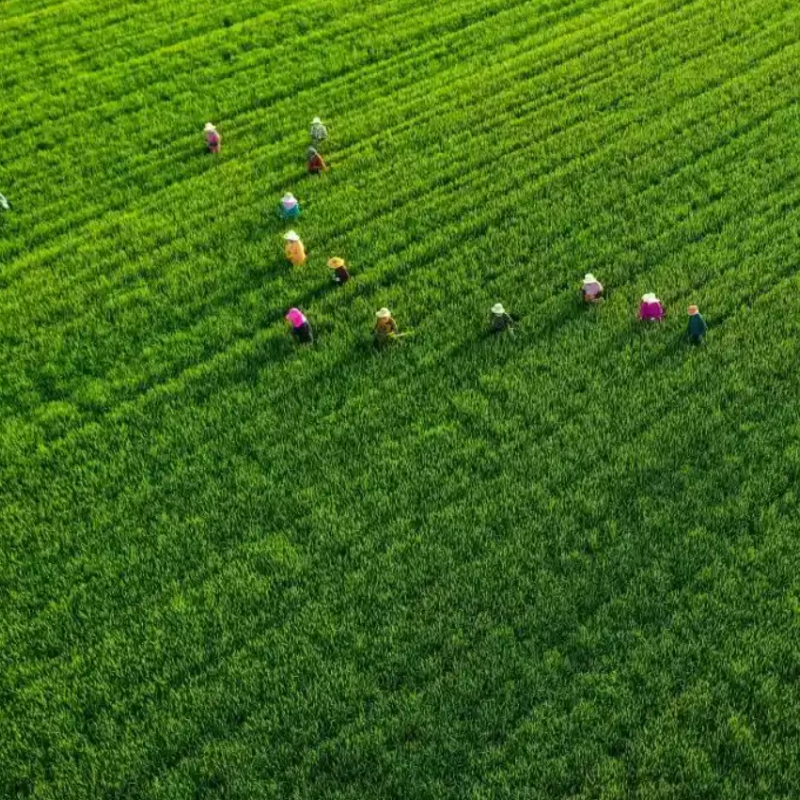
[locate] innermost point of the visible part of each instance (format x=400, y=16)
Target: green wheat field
x=563, y=563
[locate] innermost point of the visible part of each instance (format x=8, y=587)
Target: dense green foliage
x=558, y=565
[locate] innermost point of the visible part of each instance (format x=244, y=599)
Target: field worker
x=650, y=308
x=4, y=204
x=697, y=326
x=500, y=320
x=213, y=138
x=294, y=249
x=289, y=207
x=316, y=164
x=385, y=327
x=592, y=289
x=319, y=133
x=299, y=326
x=340, y=273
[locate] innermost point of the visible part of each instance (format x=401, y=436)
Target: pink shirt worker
x=213, y=138
x=299, y=325
x=592, y=289
x=650, y=308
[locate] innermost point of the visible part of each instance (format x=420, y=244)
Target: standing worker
x=500, y=320
x=213, y=138
x=386, y=329
x=289, y=207
x=697, y=326
x=650, y=308
x=316, y=163
x=294, y=249
x=299, y=326
x=592, y=289
x=340, y=273
x=319, y=133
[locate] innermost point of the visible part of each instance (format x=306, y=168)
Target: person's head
x=289, y=200
x=589, y=278
x=649, y=298
x=383, y=314
x=291, y=236
x=316, y=121
x=498, y=310
x=209, y=128
x=335, y=262
x=692, y=310
x=312, y=152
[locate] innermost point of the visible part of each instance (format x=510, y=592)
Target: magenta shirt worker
x=213, y=138
x=300, y=327
x=650, y=308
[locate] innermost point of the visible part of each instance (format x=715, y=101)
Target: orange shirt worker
x=294, y=250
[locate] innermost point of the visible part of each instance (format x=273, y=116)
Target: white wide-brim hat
x=209, y=126
x=316, y=121
x=649, y=298
x=288, y=198
x=589, y=278
x=497, y=308
x=291, y=236
x=383, y=313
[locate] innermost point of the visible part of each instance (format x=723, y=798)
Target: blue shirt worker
x=289, y=207
x=697, y=326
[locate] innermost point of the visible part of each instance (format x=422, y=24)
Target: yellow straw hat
x=335, y=262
